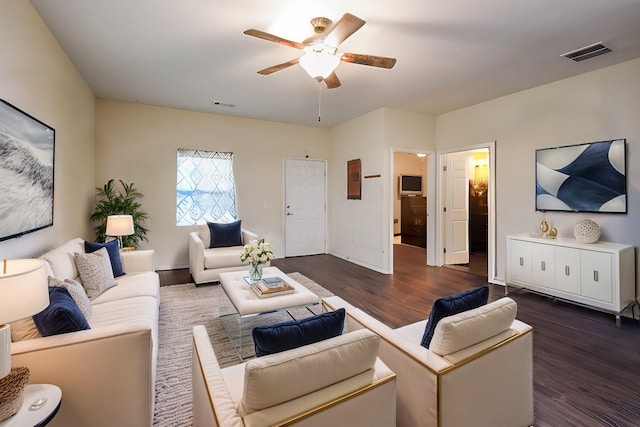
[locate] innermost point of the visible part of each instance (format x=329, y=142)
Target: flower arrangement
x=257, y=252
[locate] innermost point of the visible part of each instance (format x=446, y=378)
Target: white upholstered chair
x=478, y=370
x=206, y=264
x=336, y=382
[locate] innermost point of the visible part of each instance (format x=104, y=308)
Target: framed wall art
x=26, y=172
x=354, y=180
x=582, y=178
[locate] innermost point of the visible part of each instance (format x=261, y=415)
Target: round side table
x=36, y=411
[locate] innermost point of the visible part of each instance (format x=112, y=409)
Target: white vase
x=586, y=231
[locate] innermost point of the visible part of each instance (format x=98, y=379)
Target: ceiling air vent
x=587, y=52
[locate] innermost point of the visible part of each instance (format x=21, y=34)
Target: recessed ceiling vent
x=587, y=52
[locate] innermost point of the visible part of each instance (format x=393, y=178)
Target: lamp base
x=5, y=350
x=12, y=391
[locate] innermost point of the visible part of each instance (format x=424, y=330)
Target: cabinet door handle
x=542, y=265
x=567, y=272
x=521, y=261
x=595, y=275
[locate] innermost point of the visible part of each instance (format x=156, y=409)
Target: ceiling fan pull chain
x=319, y=99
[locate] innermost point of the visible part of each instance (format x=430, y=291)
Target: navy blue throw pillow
x=223, y=235
x=61, y=316
x=113, y=250
x=454, y=304
x=293, y=334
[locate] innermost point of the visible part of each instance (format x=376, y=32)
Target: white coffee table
x=247, y=304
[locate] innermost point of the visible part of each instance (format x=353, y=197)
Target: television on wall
x=410, y=185
x=582, y=178
x=26, y=173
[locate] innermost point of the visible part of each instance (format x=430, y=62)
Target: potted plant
x=111, y=200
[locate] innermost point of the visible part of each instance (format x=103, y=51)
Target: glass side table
x=40, y=405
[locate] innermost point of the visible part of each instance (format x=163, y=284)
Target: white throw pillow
x=95, y=272
x=76, y=291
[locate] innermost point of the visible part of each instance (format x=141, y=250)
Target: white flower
x=257, y=252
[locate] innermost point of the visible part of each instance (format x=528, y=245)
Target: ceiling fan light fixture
x=319, y=64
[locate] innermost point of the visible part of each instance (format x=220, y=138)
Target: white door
x=305, y=207
x=457, y=210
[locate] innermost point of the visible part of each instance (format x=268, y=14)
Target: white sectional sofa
x=478, y=370
x=206, y=264
x=106, y=373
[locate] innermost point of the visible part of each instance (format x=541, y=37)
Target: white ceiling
x=450, y=53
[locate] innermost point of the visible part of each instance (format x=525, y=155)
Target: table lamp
x=118, y=226
x=23, y=293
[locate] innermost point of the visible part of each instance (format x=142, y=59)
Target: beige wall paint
x=37, y=77
x=138, y=143
x=599, y=105
x=355, y=226
x=361, y=230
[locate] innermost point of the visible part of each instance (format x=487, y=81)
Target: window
x=206, y=190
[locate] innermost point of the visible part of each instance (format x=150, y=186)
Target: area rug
x=181, y=308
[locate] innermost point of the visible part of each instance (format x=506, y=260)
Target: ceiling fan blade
x=270, y=37
x=374, y=61
x=278, y=67
x=332, y=81
x=342, y=29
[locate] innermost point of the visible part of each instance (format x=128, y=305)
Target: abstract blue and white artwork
x=582, y=178
x=26, y=173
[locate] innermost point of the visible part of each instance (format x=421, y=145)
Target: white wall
x=361, y=230
x=138, y=143
x=598, y=105
x=37, y=77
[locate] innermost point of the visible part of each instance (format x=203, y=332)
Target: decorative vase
x=586, y=231
x=255, y=271
x=544, y=227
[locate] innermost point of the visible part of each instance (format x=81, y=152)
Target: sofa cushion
x=141, y=310
x=223, y=235
x=470, y=327
x=24, y=329
x=292, y=334
x=132, y=285
x=76, y=291
x=223, y=257
x=61, y=260
x=205, y=234
x=61, y=316
x=454, y=304
x=274, y=379
x=113, y=249
x=95, y=272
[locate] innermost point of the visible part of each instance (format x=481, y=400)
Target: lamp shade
x=23, y=289
x=23, y=293
x=320, y=64
x=119, y=225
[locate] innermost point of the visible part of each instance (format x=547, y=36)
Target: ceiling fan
x=320, y=57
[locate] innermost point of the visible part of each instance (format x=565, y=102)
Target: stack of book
x=270, y=287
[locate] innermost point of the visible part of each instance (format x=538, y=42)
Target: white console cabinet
x=599, y=275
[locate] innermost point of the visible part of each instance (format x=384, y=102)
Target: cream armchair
x=206, y=264
x=335, y=382
x=476, y=372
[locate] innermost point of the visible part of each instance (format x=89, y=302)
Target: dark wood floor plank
x=586, y=370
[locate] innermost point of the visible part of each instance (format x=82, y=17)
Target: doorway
x=475, y=202
x=417, y=233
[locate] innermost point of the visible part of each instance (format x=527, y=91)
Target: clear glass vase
x=255, y=271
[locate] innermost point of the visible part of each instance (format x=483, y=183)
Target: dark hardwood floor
x=586, y=370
